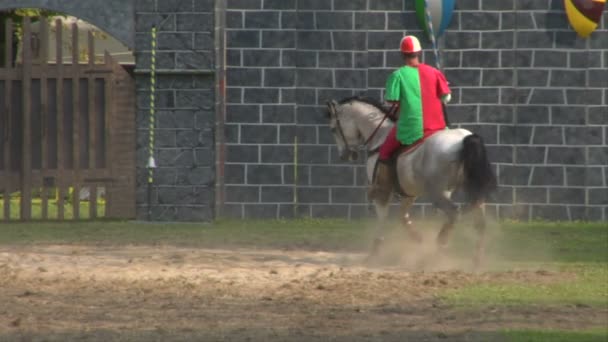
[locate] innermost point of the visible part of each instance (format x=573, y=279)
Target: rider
x=416, y=90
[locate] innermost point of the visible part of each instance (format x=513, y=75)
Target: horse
x=445, y=161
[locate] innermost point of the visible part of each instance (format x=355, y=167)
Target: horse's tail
x=479, y=178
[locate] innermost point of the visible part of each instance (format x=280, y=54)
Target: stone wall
x=521, y=78
x=185, y=108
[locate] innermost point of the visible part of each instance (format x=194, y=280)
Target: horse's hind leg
x=443, y=202
x=406, y=204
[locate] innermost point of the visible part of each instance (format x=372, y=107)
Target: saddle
x=393, y=165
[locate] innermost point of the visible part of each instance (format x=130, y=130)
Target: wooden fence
x=67, y=136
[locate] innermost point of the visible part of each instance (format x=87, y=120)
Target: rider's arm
x=393, y=113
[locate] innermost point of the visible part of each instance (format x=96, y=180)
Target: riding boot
x=383, y=182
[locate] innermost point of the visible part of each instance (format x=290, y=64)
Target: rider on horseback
x=416, y=90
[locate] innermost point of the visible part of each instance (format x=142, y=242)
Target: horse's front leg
x=406, y=222
x=382, y=209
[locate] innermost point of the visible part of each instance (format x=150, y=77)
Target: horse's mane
x=368, y=100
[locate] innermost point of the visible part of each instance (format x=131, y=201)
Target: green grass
x=598, y=335
x=53, y=209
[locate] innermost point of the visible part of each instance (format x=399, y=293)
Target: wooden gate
x=67, y=131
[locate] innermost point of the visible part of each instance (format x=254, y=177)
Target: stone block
x=201, y=22
x=498, y=77
x=547, y=96
x=584, y=176
x=277, y=194
x=532, y=77
x=503, y=5
x=244, y=77
x=261, y=95
x=335, y=59
x=530, y=154
x=242, y=154
x=263, y=174
x=480, y=95
x=332, y=175
x=550, y=212
x=261, y=211
x=566, y=155
x=495, y=114
x=370, y=21
x=333, y=20
x=314, y=40
x=463, y=113
x=350, y=78
x=586, y=59
x=330, y=211
x=278, y=114
x=280, y=4
x=598, y=78
x=315, y=78
x=500, y=154
x=289, y=20
x=279, y=39
x=598, y=196
x=303, y=175
x=479, y=21
x=532, y=115
x=598, y=115
x=350, y=5
x=568, y=115
x=203, y=41
x=468, y=5
x=195, y=60
x=262, y=58
x=204, y=5
x=376, y=40
x=279, y=77
x=568, y=78
x=259, y=134
x=463, y=77
x=531, y=195
x=277, y=154
x=175, y=6
x=583, y=135
x=548, y=135
x=348, y=195
x=243, y=39
x=352, y=40
x=244, y=4
x=567, y=195
x=313, y=154
x=386, y=5
x=513, y=175
x=548, y=175
x=262, y=20
x=534, y=40
x=175, y=41
x=313, y=195
x=234, y=174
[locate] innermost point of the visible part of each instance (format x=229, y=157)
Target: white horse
x=444, y=162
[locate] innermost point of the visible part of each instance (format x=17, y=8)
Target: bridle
x=338, y=128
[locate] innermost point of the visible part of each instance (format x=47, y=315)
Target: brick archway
x=116, y=17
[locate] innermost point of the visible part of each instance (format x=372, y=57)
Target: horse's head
x=344, y=129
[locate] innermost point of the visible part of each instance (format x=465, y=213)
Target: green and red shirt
x=419, y=90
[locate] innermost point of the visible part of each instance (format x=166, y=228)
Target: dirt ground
x=168, y=293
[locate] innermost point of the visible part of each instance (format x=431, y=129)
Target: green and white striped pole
x=151, y=125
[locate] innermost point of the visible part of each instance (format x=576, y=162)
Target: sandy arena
x=166, y=293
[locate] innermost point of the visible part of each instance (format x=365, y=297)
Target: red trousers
x=390, y=145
